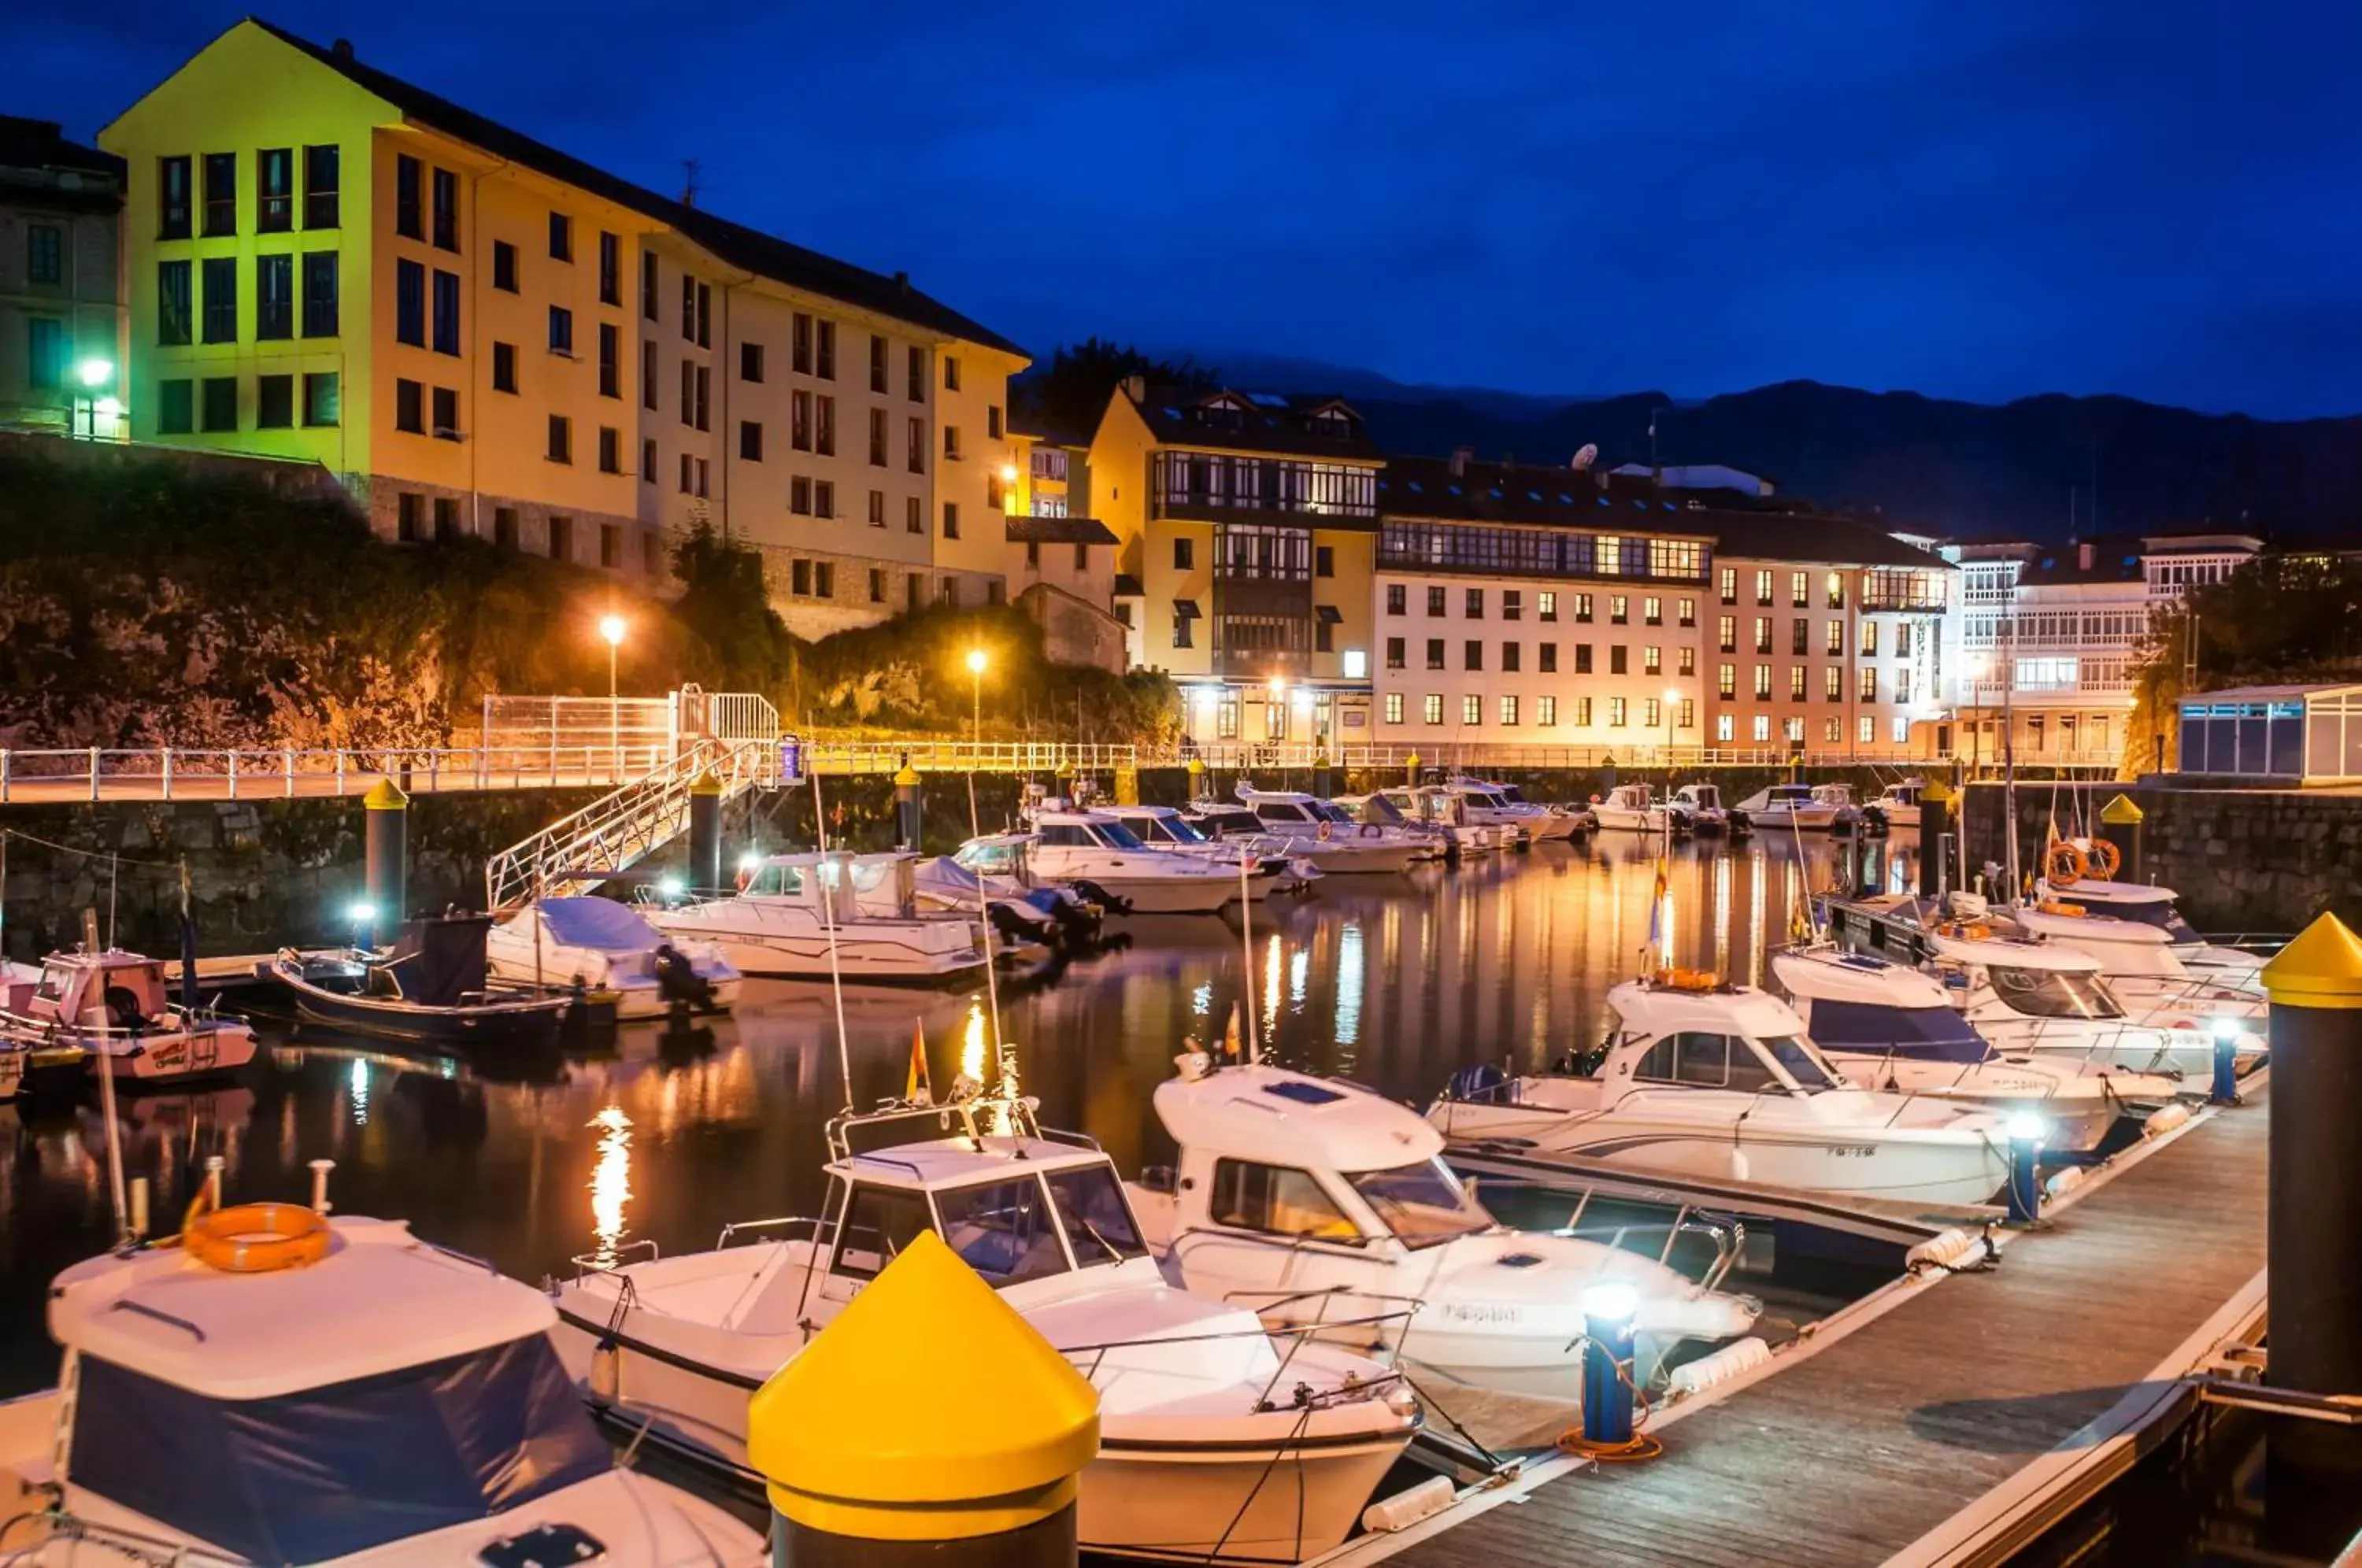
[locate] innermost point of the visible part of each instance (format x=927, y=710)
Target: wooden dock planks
x=1857, y=1451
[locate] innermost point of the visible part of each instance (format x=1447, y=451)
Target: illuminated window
x=1394, y=707
x=1431, y=709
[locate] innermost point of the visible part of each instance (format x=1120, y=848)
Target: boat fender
x=1940, y=1250
x=1406, y=1508
x=2165, y=1120
x=606, y=1372
x=1739, y=1355
x=2065, y=1181
x=1328, y=830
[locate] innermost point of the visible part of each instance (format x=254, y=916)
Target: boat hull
x=179, y=1056
x=529, y=1022
x=1168, y=895
x=1353, y=856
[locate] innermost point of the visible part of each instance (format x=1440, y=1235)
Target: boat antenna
x=828, y=929
x=1246, y=953
x=114, y=874
x=983, y=918
x=1804, y=881
x=123, y=1237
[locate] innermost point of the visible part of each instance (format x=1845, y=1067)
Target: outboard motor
x=1484, y=1081
x=1102, y=897
x=1015, y=929
x=678, y=979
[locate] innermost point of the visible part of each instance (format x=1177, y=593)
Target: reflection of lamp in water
x=1271, y=991
x=611, y=1183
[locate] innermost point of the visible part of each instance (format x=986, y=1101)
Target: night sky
x=2152, y=197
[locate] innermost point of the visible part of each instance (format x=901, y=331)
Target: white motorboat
x=1321, y=1203
x=1217, y=1443
x=2146, y=972
x=1327, y=836
x=1899, y=803
x=117, y=1010
x=1381, y=809
x=2160, y=907
x=389, y=1403
x=1269, y=862
x=1889, y=1027
x=1542, y=823
x=1702, y=804
x=1482, y=805
x=1844, y=812
x=1784, y=807
x=1093, y=852
x=1634, y=808
x=1443, y=815
x=608, y=947
x=1697, y=1078
x=781, y=924
x=994, y=868
x=2038, y=998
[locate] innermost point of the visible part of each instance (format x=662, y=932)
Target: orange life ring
x=2065, y=863
x=1327, y=828
x=255, y=1238
x=2105, y=858
x=745, y=880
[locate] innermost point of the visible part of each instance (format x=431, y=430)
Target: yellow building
x=486, y=337
x=1248, y=522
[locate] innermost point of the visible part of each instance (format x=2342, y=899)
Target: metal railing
x=169, y=773
x=619, y=828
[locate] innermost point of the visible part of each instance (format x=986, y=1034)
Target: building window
x=274, y=195
x=409, y=200
x=410, y=407
x=1396, y=653
x=878, y=363
x=825, y=424
x=1867, y=690
x=823, y=498
x=1546, y=605
x=410, y=303
x=701, y=384
x=1546, y=657
x=221, y=193
x=1393, y=707
x=218, y=408
x=799, y=418
x=274, y=403
x=274, y=298
x=648, y=374
x=1689, y=612
x=1583, y=609
x=561, y=238
x=918, y=455
x=1652, y=713
x=1653, y=611
x=1903, y=731
x=611, y=354
x=611, y=452
x=44, y=253
x=1471, y=709
x=800, y=495
x=1619, y=659
x=1620, y=610
x=1763, y=633
x=1687, y=717
x=877, y=509
x=1546, y=711
x=321, y=180
x=447, y=519
x=1435, y=602
x=323, y=402
x=1796, y=683
x=1324, y=560
x=1652, y=660
x=914, y=516
x=446, y=210
x=1397, y=598
x=1763, y=586
x=611, y=545
x=876, y=437
x=750, y=441
x=1689, y=661
x=1836, y=640
x=1615, y=709
x=175, y=307
x=952, y=442
x=825, y=350
x=1583, y=659
x=800, y=344
x=561, y=538
x=1185, y=555
x=409, y=517
x=876, y=586
x=220, y=282
x=172, y=208
x=1762, y=727
x=319, y=293
x=1512, y=604
x=1475, y=607
x=1723, y=729
x=915, y=380
x=1508, y=658
x=447, y=312
x=504, y=528
x=1793, y=728
x=649, y=285
x=951, y=520
x=561, y=331
x=1800, y=636
x=1763, y=683
x=951, y=372
x=1832, y=684
x=1508, y=708
x=1435, y=653
x=504, y=367
x=611, y=269
x=561, y=439
x=750, y=361
x=175, y=408
x=1799, y=589
x=1834, y=585
x=994, y=498
x=1726, y=681
x=688, y=474
x=1867, y=731
x=648, y=461
x=1431, y=707
x=1869, y=638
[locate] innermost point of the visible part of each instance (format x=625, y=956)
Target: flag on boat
x=1659, y=936
x=1231, y=1034
x=920, y=1088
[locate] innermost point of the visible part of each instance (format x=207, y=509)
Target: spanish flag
x=1230, y=1035
x=920, y=1088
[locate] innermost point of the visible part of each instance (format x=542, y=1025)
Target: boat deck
x=1852, y=1453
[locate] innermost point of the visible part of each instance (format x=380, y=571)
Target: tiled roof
x=741, y=247
x=1810, y=537
x=1282, y=424
x=42, y=145
x=1059, y=531
x=1530, y=492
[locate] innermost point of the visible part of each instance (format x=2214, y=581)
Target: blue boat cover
x=601, y=924
x=1928, y=1033
x=327, y=1472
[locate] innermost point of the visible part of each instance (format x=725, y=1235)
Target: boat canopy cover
x=1924, y=1034
x=323, y=1473
x=601, y=924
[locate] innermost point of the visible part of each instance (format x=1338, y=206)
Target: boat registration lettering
x=1483, y=1312
x=1854, y=1151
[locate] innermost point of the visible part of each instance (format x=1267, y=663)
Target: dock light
x=750, y=863
x=613, y=628
x=2025, y=1131
x=108, y=408
x=2224, y=1089
x=363, y=914
x=94, y=373
x=1608, y=1306
x=670, y=888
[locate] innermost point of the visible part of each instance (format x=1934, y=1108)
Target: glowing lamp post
x=94, y=375
x=612, y=628
x=976, y=663
x=1672, y=695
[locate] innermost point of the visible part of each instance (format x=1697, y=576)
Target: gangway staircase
x=732, y=736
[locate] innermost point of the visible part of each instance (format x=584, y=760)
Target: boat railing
x=1296, y=1334
x=817, y=1228
x=611, y=1262
x=128, y=1546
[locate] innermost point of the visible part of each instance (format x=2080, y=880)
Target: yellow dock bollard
x=386, y=817
x=705, y=797
x=878, y=1454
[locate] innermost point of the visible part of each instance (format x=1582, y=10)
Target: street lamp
x=976, y=663
x=611, y=627
x=96, y=374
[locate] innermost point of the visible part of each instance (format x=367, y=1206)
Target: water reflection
x=1395, y=980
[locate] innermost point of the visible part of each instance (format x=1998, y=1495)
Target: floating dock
x=1944, y=1419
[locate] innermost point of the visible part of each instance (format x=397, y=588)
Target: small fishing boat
x=1845, y=812
x=1092, y=852
x=1786, y=807
x=1634, y=808
x=781, y=922
x=991, y=871
x=275, y=1386
x=608, y=947
x=1898, y=803
x=434, y=988
x=1327, y=836
x=1889, y=1027
x=115, y=1010
x=2147, y=974
x=1700, y=1078
x=1506, y=804
x=1267, y=858
x=1200, y=1406
x=1316, y=1201
x=1702, y=804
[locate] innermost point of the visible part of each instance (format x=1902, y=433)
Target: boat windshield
x=992, y=859
x=2054, y=993
x=2159, y=913
x=1178, y=830
x=1422, y=1204
x=1004, y=1229
x=1115, y=835
x=1921, y=1033
x=1802, y=1063
x=1382, y=809
x=1513, y=795
x=777, y=882
x=308, y=1476
x=1706, y=797
x=1097, y=1219
x=1328, y=813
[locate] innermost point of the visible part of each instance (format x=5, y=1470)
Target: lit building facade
x=484, y=337
x=62, y=315
x=1528, y=605
x=1248, y=522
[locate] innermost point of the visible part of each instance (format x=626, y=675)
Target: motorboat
x=1218, y=1441
x=1506, y=804
x=1327, y=836
x=991, y=871
x=1634, y=808
x=1784, y=807
x=2160, y=907
x=433, y=988
x=1890, y=1027
x=1093, y=852
x=115, y=1010
x=2146, y=972
x=1327, y=1206
x=2029, y=996
x=375, y=1400
x=1381, y=809
x=1267, y=859
x=1898, y=803
x=799, y=917
x=1844, y=812
x=1705, y=1079
x=609, y=947
x=1443, y=815
x=1702, y=804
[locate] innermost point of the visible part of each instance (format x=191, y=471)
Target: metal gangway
x=732, y=736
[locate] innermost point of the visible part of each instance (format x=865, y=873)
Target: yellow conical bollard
x=879, y=1444
x=385, y=861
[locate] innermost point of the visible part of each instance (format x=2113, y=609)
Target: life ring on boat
x=2064, y=864
x=1328, y=830
x=1688, y=979
x=2104, y=858
x=746, y=878
x=254, y=1238
x=2057, y=907
x=1964, y=930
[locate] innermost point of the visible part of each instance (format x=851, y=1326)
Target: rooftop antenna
x=688, y=182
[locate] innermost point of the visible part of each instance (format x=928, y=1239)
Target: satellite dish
x=1585, y=458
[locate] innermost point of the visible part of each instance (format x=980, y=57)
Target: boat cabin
x=996, y=854
x=1697, y=1035
x=2033, y=979
x=1699, y=796
x=1287, y=810
x=1858, y=1004
x=1159, y=827
x=1838, y=796
x=825, y=884
x=2140, y=901
x=1903, y=792
x=1791, y=797
x=1630, y=797
x=112, y=990
x=1215, y=820
x=1083, y=830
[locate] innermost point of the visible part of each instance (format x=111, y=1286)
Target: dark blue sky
x=2153, y=197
